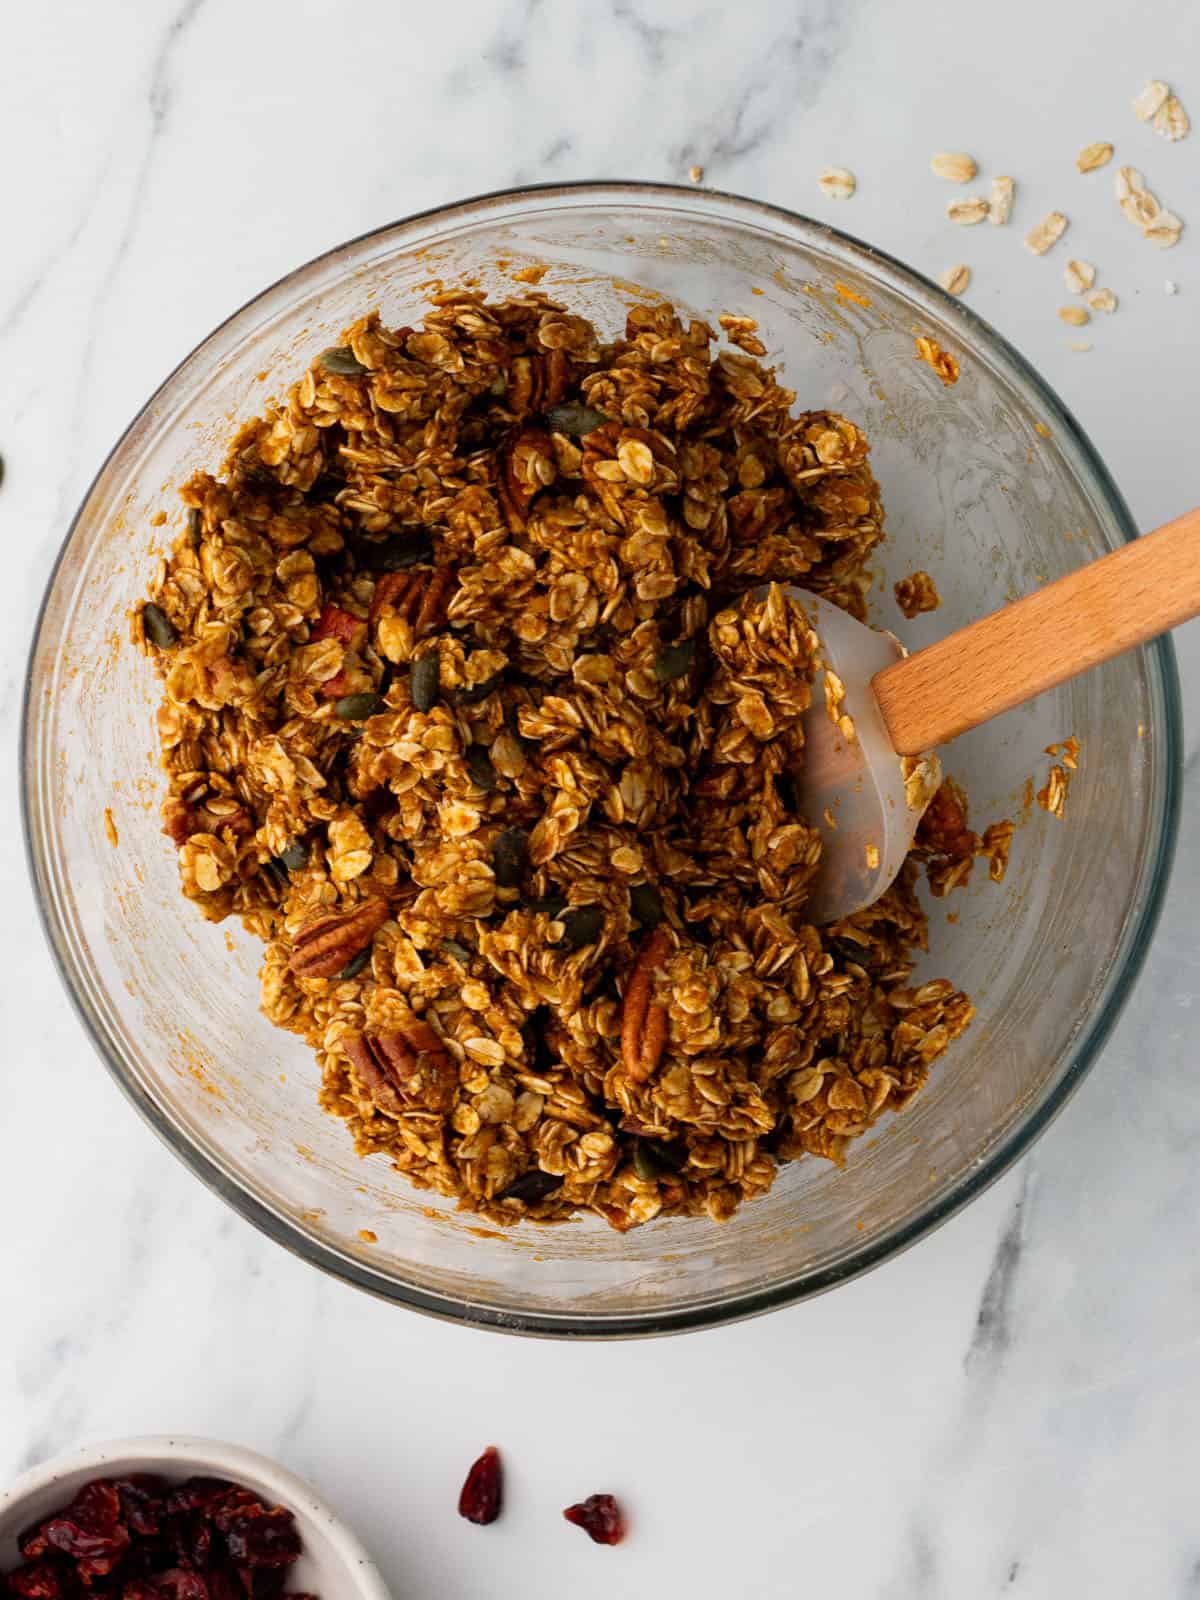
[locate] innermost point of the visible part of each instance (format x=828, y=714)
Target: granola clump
x=483, y=710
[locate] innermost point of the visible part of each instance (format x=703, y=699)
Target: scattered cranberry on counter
x=600, y=1516
x=480, y=1497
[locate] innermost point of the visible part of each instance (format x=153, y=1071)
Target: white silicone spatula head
x=865, y=800
x=867, y=792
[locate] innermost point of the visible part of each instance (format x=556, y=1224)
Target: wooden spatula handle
x=1051, y=635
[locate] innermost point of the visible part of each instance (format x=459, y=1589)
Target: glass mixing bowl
x=989, y=485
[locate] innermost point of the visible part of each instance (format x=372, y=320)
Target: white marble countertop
x=1011, y=1408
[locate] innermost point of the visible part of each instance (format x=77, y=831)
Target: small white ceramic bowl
x=333, y=1565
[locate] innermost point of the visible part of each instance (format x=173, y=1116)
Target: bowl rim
x=249, y=1467
x=1092, y=1036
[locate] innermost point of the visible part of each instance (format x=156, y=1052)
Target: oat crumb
x=367, y=1236
x=1093, y=156
x=1079, y=275
x=954, y=166
x=110, y=828
x=944, y=364
x=696, y=174
x=969, y=211
x=837, y=183
x=1076, y=316
x=917, y=593
x=530, y=274
x=1150, y=99
x=1047, y=233
x=955, y=280
x=1053, y=796
x=1003, y=190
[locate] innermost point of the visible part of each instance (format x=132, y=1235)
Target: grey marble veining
x=1011, y=1409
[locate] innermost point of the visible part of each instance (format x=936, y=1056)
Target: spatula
x=865, y=798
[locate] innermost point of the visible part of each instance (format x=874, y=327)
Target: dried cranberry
x=235, y=1502
x=480, y=1498
x=38, y=1580
x=90, y=1531
x=179, y=1584
x=196, y=1494
x=191, y=1541
x=32, y=1542
x=142, y=1503
x=600, y=1516
x=140, y=1589
x=259, y=1537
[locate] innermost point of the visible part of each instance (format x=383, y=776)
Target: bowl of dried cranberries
x=175, y=1518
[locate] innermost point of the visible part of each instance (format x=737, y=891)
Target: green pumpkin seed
x=355, y=964
x=3, y=469
x=386, y=679
x=159, y=629
x=553, y=905
x=275, y=869
x=295, y=856
x=574, y=419
x=479, y=764
x=357, y=707
x=458, y=951
x=644, y=1163
x=655, y=1158
x=531, y=1186
x=646, y=905
x=673, y=660
x=472, y=697
x=397, y=554
x=510, y=857
x=195, y=525
x=425, y=682
x=581, y=925
x=340, y=359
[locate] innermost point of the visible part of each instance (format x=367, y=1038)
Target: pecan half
x=420, y=597
x=404, y=1069
x=324, y=945
x=535, y=382
x=526, y=466
x=644, y=1019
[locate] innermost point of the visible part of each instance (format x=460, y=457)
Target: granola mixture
x=481, y=711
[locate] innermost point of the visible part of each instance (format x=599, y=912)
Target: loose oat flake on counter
x=483, y=711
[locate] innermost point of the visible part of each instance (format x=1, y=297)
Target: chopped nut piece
x=969, y=211
x=954, y=166
x=956, y=279
x=836, y=183
x=1047, y=233
x=1079, y=275
x=1102, y=300
x=1003, y=190
x=1075, y=315
x=1150, y=100
x=1171, y=120
x=696, y=174
x=916, y=593
x=1093, y=156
